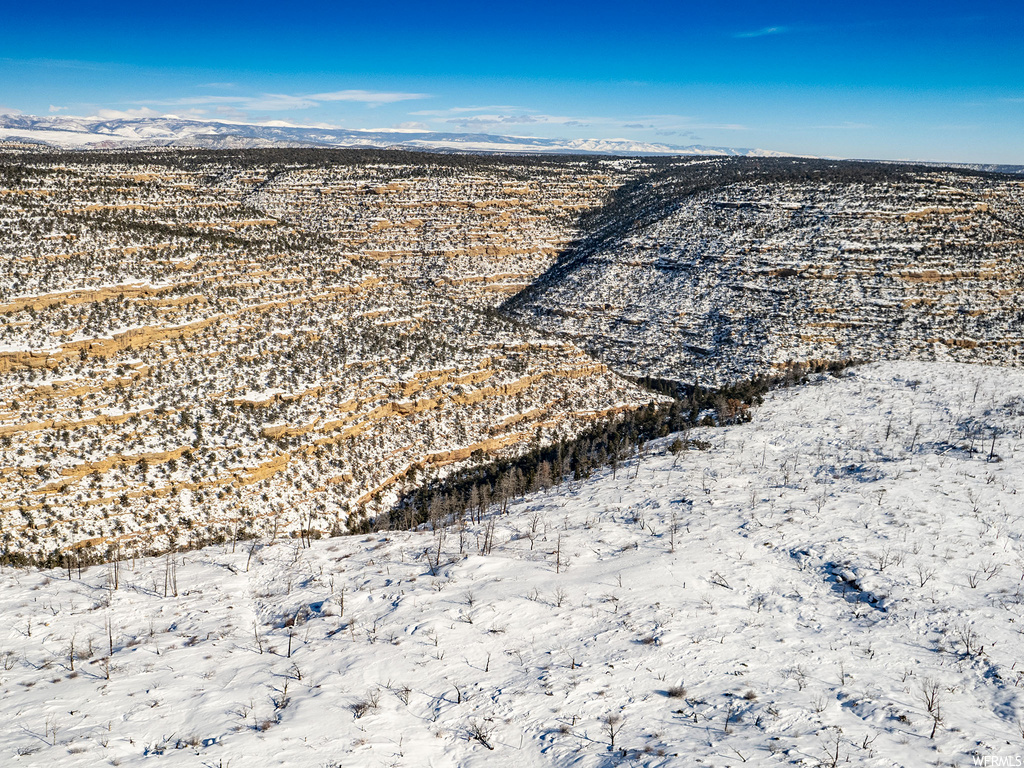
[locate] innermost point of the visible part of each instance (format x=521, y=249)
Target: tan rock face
x=217, y=351
x=471, y=233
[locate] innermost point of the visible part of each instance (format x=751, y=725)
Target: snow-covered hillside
x=147, y=310
x=837, y=582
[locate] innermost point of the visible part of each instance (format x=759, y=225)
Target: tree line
x=470, y=492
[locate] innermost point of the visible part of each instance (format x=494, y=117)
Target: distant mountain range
x=169, y=131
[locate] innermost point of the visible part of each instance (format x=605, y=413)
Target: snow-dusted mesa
x=837, y=582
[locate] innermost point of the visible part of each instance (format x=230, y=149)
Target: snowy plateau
x=98, y=133
x=837, y=582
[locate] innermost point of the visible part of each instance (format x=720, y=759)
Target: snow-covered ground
x=827, y=585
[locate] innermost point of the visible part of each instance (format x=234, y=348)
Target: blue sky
x=909, y=80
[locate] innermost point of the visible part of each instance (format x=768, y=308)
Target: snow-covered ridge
x=837, y=582
x=97, y=133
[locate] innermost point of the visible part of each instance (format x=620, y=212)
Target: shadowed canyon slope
x=717, y=271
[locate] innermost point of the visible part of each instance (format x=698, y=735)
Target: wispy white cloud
x=119, y=114
x=275, y=102
x=496, y=119
x=451, y=111
x=677, y=133
x=719, y=126
x=845, y=126
x=368, y=97
x=226, y=112
x=282, y=102
x=763, y=32
x=55, y=109
x=490, y=118
x=487, y=121
x=266, y=102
